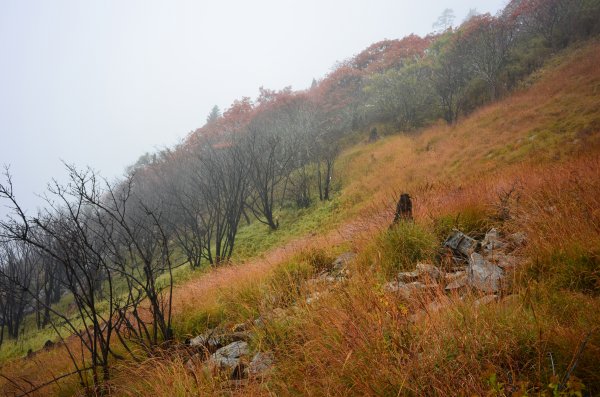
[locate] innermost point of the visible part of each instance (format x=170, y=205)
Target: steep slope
x=535, y=154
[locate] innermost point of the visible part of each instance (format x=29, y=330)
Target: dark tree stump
x=403, y=209
x=373, y=136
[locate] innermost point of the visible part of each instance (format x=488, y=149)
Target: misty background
x=101, y=83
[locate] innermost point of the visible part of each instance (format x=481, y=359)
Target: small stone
x=485, y=300
x=260, y=365
x=492, y=241
x=431, y=271
x=458, y=282
x=518, y=239
x=207, y=340
x=342, y=261
x=408, y=276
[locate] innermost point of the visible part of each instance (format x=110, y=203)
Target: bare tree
x=17, y=263
x=270, y=150
x=100, y=233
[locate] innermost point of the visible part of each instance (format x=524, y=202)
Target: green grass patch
x=256, y=238
x=576, y=268
x=400, y=248
x=473, y=220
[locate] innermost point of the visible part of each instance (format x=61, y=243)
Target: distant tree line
x=112, y=248
x=480, y=61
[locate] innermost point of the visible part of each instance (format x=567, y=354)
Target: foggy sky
x=101, y=82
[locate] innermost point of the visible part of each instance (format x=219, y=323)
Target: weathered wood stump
x=403, y=209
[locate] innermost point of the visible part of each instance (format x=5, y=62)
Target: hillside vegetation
x=529, y=163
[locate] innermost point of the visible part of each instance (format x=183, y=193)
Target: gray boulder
x=229, y=358
x=483, y=275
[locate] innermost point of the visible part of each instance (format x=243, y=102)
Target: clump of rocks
x=479, y=265
x=228, y=354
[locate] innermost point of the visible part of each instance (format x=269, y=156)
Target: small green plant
x=474, y=221
x=401, y=247
x=318, y=258
x=496, y=388
x=573, y=388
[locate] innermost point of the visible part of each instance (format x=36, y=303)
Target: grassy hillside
x=541, y=144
